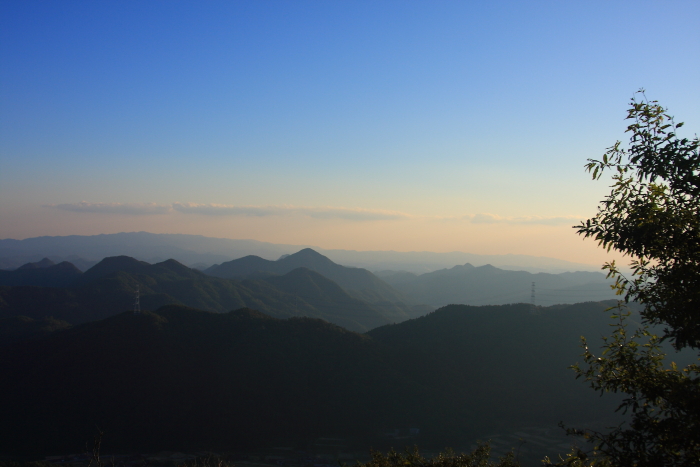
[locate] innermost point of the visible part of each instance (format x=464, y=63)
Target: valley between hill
x=314, y=349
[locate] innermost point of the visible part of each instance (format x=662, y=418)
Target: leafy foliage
x=653, y=215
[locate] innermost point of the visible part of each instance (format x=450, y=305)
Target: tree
x=652, y=214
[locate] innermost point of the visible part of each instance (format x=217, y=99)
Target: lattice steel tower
x=137, y=302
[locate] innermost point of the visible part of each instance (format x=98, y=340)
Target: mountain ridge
x=44, y=274
x=358, y=282
x=198, y=249
x=489, y=285
x=110, y=287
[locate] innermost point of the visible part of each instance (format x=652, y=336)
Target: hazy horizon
x=406, y=126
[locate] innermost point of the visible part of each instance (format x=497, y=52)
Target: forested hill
x=22, y=328
x=43, y=273
x=357, y=281
x=184, y=379
x=188, y=379
x=109, y=288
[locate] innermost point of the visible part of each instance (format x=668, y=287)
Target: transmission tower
x=137, y=302
x=532, y=294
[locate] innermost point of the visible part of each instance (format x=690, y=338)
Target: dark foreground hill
x=22, y=328
x=185, y=379
x=188, y=379
x=109, y=288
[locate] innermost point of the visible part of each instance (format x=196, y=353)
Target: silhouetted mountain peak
x=177, y=267
x=62, y=274
x=357, y=282
x=459, y=268
x=251, y=264
x=307, y=256
x=114, y=264
x=239, y=267
x=44, y=263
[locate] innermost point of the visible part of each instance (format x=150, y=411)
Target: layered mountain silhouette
x=324, y=294
x=85, y=250
x=110, y=287
x=488, y=285
x=358, y=282
x=185, y=379
x=44, y=263
x=44, y=273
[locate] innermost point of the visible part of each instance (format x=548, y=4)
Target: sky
x=366, y=125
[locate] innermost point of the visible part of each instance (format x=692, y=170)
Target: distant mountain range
x=201, y=252
x=488, y=285
x=39, y=290
x=289, y=365
x=305, y=283
x=184, y=379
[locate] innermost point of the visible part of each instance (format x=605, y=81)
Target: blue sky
x=408, y=125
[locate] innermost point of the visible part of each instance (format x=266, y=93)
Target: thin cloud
x=322, y=212
x=132, y=209
x=227, y=210
x=356, y=214
x=486, y=218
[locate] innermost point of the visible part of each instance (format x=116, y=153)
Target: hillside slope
x=358, y=282
x=188, y=379
x=355, y=279
x=183, y=379
x=109, y=288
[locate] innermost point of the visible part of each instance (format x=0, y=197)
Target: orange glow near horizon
x=406, y=234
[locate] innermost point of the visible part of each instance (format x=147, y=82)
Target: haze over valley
x=295, y=327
